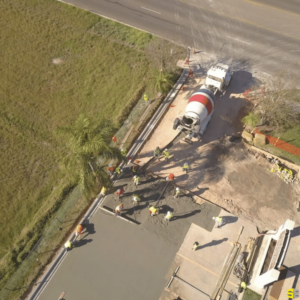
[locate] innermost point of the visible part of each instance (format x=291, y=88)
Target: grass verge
x=57, y=62
x=251, y=295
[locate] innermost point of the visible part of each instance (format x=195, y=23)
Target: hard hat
x=166, y=149
x=177, y=189
x=134, y=198
x=135, y=176
x=213, y=218
x=186, y=163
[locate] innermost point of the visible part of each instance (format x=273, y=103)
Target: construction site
x=140, y=256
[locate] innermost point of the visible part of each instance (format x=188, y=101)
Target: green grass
x=251, y=295
x=290, y=135
x=104, y=70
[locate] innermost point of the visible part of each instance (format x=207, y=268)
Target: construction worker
x=123, y=151
x=166, y=154
x=103, y=191
x=185, y=167
x=153, y=211
x=170, y=177
x=68, y=245
x=219, y=221
x=195, y=246
x=118, y=170
x=135, y=200
x=134, y=169
x=157, y=152
x=118, y=209
x=120, y=192
x=110, y=169
x=136, y=180
x=243, y=285
x=177, y=192
x=78, y=231
x=168, y=216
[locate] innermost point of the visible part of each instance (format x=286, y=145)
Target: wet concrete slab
x=122, y=260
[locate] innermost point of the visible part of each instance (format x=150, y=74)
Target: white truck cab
x=218, y=77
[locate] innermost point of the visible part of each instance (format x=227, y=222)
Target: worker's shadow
x=81, y=242
x=212, y=243
x=185, y=215
x=137, y=209
x=200, y=191
x=89, y=229
x=228, y=220
x=164, y=209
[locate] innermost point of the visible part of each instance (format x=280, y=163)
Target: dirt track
x=224, y=172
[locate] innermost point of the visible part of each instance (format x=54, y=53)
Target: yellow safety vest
x=68, y=244
x=103, y=190
x=166, y=154
x=243, y=285
x=153, y=209
x=219, y=219
x=168, y=217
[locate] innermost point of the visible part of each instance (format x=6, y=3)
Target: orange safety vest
x=119, y=207
x=120, y=192
x=79, y=228
x=171, y=177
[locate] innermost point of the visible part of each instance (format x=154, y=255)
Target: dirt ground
x=227, y=174
x=223, y=170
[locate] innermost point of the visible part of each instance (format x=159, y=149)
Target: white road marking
x=238, y=40
x=151, y=10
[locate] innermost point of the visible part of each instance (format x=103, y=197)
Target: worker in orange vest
x=111, y=170
x=171, y=177
x=120, y=192
x=78, y=231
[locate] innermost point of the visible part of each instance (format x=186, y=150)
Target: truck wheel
x=176, y=123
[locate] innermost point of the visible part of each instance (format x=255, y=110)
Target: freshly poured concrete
x=128, y=261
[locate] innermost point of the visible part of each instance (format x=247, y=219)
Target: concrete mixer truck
x=200, y=107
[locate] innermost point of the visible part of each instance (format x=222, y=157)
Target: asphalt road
x=262, y=34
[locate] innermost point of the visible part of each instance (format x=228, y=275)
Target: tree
x=163, y=81
x=251, y=120
x=279, y=101
x=89, y=146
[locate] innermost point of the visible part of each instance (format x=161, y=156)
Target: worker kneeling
x=153, y=211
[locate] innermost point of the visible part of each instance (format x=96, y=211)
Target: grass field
x=57, y=62
x=290, y=136
x=251, y=295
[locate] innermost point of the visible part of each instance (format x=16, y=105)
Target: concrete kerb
x=51, y=269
